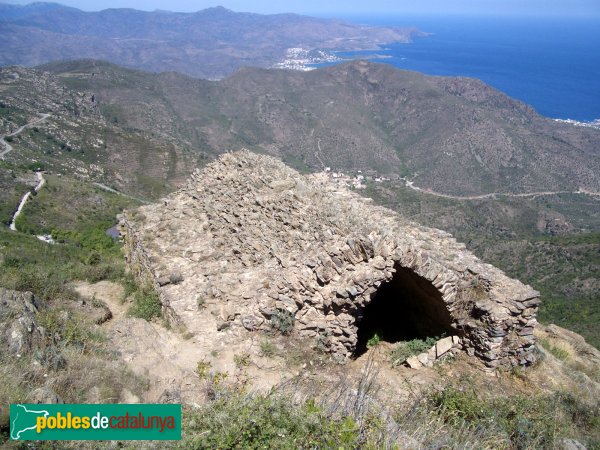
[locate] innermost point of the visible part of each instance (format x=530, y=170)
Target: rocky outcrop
x=261, y=246
x=18, y=329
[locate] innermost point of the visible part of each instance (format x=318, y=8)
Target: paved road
x=114, y=191
x=7, y=147
x=411, y=185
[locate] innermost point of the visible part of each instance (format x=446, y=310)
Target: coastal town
x=592, y=124
x=298, y=58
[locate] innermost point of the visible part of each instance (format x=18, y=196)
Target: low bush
x=202, y=369
x=32, y=265
x=267, y=349
x=523, y=422
x=557, y=352
x=410, y=348
x=66, y=328
x=282, y=321
x=242, y=360
x=373, y=341
x=265, y=421
x=146, y=303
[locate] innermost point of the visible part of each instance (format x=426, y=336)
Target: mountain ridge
x=454, y=136
x=210, y=43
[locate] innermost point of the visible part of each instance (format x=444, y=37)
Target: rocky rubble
x=442, y=348
x=18, y=329
x=249, y=243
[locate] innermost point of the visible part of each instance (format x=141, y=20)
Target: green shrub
x=50, y=357
x=283, y=321
x=374, y=340
x=146, y=301
x=11, y=261
x=265, y=421
x=96, y=239
x=202, y=369
x=130, y=286
x=410, y=348
x=584, y=415
x=65, y=328
x=457, y=405
x=29, y=264
x=146, y=304
x=91, y=239
x=242, y=360
x=267, y=349
x=526, y=422
x=22, y=225
x=323, y=341
x=33, y=166
x=93, y=258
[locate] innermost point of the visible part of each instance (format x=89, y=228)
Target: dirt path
x=41, y=182
x=7, y=147
x=168, y=358
x=582, y=191
x=114, y=191
x=320, y=151
x=108, y=292
x=161, y=355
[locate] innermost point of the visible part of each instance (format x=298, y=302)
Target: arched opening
x=404, y=308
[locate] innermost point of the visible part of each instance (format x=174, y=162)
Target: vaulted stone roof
x=262, y=243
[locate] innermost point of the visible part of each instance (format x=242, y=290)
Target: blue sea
x=553, y=64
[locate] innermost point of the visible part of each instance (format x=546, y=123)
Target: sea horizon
x=550, y=63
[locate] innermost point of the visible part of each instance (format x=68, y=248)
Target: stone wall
x=249, y=237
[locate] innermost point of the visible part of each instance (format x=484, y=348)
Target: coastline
x=592, y=124
x=302, y=59
x=555, y=77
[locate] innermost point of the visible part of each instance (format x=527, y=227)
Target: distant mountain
x=455, y=136
x=210, y=43
x=452, y=135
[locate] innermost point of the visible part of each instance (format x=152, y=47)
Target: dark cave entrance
x=404, y=308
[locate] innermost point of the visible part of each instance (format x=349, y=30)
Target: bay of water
x=553, y=64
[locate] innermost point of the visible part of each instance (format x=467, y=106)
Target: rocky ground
x=168, y=362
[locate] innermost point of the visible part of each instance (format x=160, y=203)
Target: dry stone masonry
x=251, y=244
x=18, y=329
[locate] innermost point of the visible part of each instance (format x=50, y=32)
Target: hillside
x=76, y=138
x=550, y=242
x=77, y=327
x=452, y=135
x=144, y=133
x=85, y=332
x=211, y=43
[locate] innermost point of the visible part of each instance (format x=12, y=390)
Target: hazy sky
x=350, y=7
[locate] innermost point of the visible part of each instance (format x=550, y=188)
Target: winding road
x=114, y=191
x=40, y=176
x=411, y=185
x=7, y=147
x=41, y=182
